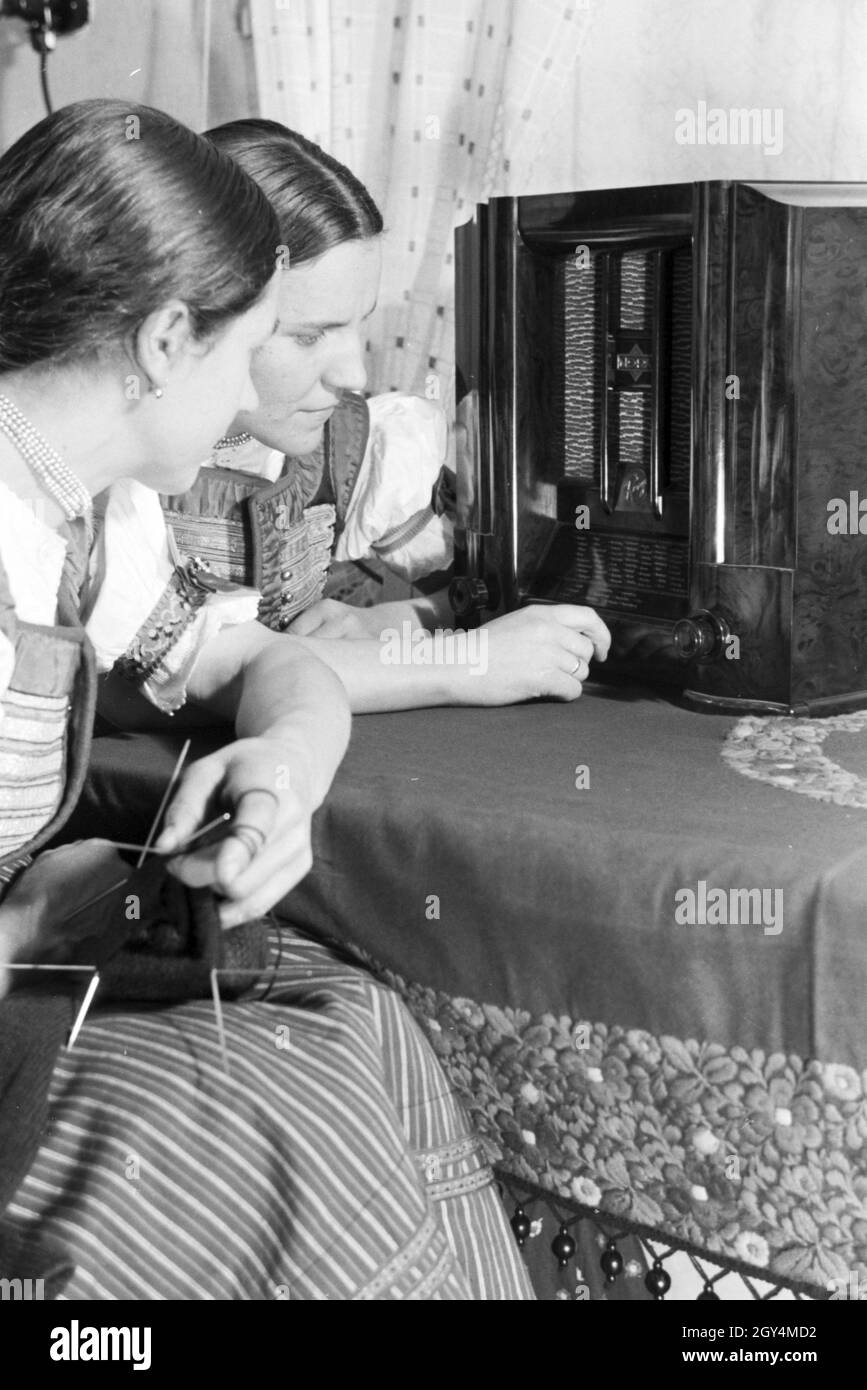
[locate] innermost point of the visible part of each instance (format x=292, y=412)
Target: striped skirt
x=332, y=1162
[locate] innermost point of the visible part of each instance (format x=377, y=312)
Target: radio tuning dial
x=701, y=636
x=470, y=596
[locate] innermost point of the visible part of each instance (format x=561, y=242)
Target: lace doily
x=788, y=752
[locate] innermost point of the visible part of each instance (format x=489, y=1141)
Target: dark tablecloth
x=550, y=897
x=532, y=922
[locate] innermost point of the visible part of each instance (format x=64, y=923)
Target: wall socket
x=47, y=19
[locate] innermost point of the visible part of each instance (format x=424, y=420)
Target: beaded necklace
x=233, y=441
x=55, y=476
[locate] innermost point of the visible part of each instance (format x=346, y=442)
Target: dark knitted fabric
x=34, y=1258
x=33, y=1026
x=152, y=939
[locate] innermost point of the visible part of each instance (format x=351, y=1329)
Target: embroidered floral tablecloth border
x=758, y=1158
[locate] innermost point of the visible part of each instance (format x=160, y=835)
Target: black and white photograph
x=433, y=669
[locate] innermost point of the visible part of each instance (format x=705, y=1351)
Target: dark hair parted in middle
x=107, y=211
x=319, y=202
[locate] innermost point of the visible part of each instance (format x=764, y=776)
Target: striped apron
x=331, y=1161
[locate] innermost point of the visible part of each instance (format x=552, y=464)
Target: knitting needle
x=91, y=902
x=172, y=783
x=88, y=997
x=221, y=1031
x=82, y=1012
x=146, y=848
x=21, y=966
x=183, y=848
x=255, y=973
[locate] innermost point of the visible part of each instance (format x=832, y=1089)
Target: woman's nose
x=346, y=370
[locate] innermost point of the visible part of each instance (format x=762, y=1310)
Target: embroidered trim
x=406, y=532
x=11, y=870
x=176, y=609
x=642, y=1127
x=459, y=1187
x=423, y=1291
x=219, y=542
x=452, y=1153
x=347, y=435
x=433, y=1161
x=415, y=1247
x=293, y=558
x=276, y=537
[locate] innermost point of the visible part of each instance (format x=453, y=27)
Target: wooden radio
x=662, y=414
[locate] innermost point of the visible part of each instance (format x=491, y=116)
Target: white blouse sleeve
x=391, y=514
x=136, y=568
x=167, y=686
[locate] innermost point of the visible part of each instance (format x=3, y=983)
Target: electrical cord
x=46, y=20
x=43, y=77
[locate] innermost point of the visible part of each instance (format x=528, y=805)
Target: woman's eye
x=308, y=339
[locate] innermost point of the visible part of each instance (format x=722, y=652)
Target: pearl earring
x=157, y=391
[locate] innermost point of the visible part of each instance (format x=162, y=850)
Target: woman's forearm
x=295, y=699
x=403, y=670
x=538, y=652
x=424, y=611
x=434, y=610
x=273, y=686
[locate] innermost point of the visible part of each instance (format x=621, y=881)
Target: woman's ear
x=162, y=341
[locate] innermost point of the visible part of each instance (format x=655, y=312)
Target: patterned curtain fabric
x=645, y=60
x=436, y=106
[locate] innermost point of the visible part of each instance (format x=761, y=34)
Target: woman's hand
x=264, y=783
x=540, y=652
x=543, y=650
x=330, y=618
x=292, y=718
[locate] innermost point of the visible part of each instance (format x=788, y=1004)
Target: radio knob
x=701, y=636
x=469, y=596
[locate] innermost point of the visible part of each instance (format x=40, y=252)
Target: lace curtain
x=437, y=106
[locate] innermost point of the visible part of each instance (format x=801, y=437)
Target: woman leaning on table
x=314, y=473
x=332, y=1162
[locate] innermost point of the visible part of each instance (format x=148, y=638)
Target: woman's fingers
x=306, y=623
x=265, y=849
x=270, y=857
x=188, y=809
x=579, y=670
x=269, y=878
x=254, y=819
x=587, y=622
x=325, y=613
x=560, y=685
x=576, y=646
